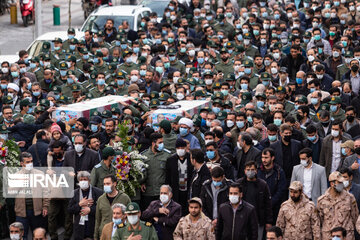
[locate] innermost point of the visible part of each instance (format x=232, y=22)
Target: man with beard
x=298, y=218
x=110, y=31
x=105, y=136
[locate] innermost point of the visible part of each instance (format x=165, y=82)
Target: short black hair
x=217, y=172
x=269, y=150
x=214, y=144
x=197, y=155
x=346, y=170
x=246, y=137
x=236, y=185
x=306, y=151
x=250, y=164
x=276, y=230
x=339, y=229
x=40, y=134
x=310, y=129
x=338, y=122
x=57, y=144
x=112, y=177
x=208, y=133
x=155, y=136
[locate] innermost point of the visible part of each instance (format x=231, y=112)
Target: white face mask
x=208, y=81
x=234, y=199
x=180, y=96
x=304, y=163
x=229, y=123
x=238, y=145
x=15, y=236
x=5, y=70
x=334, y=133
x=180, y=152
x=134, y=79
x=133, y=219
x=175, y=79
x=29, y=166
x=274, y=70
x=191, y=53
x=79, y=148
x=84, y=185
x=346, y=183
x=164, y=198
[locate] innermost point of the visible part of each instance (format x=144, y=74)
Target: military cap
x=46, y=45
x=248, y=63
x=99, y=54
x=222, y=115
x=112, y=66
x=200, y=82
x=7, y=99
x=164, y=96
x=265, y=76
x=230, y=77
x=283, y=69
x=57, y=39
x=262, y=95
x=228, y=103
x=84, y=51
x=200, y=93
x=208, y=73
x=121, y=74
x=197, y=120
x=281, y=89
x=95, y=119
x=348, y=54
x=325, y=106
x=196, y=200
x=123, y=40
x=95, y=113
x=106, y=114
x=154, y=103
x=71, y=30
x=191, y=81
x=296, y=186
x=82, y=42
x=229, y=44
x=166, y=125
x=154, y=94
x=46, y=57
x=63, y=99
x=302, y=99
x=216, y=85
x=164, y=83
x=3, y=129
x=45, y=103
x=74, y=41
x=75, y=88
x=28, y=119
x=247, y=36
x=207, y=109
x=100, y=34
x=336, y=176
x=39, y=109
x=246, y=98
x=240, y=49
x=177, y=119
x=192, y=70
x=171, y=52
x=211, y=44
x=218, y=95
x=307, y=34
x=63, y=65
x=223, y=50
x=89, y=96
x=107, y=152
x=70, y=72
x=132, y=207
x=25, y=102
x=126, y=52
x=35, y=59
x=115, y=110
x=335, y=100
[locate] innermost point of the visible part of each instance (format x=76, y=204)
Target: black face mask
x=185, y=27
x=350, y=118
x=58, y=155
x=357, y=150
x=224, y=59
x=354, y=68
x=299, y=117
x=287, y=138
x=296, y=199
x=325, y=124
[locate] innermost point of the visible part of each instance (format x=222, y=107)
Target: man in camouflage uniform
x=345, y=67
x=337, y=208
x=174, y=63
x=298, y=218
x=195, y=225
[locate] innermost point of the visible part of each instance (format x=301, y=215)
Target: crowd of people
x=275, y=154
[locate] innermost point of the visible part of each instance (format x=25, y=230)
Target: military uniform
x=170, y=142
x=95, y=92
x=299, y=221
x=179, y=65
x=128, y=67
x=225, y=68
x=341, y=70
x=340, y=211
x=201, y=230
x=155, y=171
x=102, y=68
x=99, y=172
x=251, y=51
x=145, y=230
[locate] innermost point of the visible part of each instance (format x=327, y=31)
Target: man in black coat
x=257, y=193
x=164, y=213
x=109, y=31
x=287, y=151
x=81, y=158
x=84, y=204
x=217, y=186
x=39, y=150
x=179, y=169
x=239, y=224
x=200, y=174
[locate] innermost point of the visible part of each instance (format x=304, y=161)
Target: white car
x=131, y=13
x=35, y=47
x=157, y=6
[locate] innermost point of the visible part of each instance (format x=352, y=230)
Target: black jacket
x=39, y=153
x=172, y=174
x=75, y=209
x=90, y=159
x=167, y=223
x=241, y=225
x=111, y=37
x=24, y=132
x=225, y=163
x=253, y=154
x=264, y=210
x=197, y=180
x=207, y=197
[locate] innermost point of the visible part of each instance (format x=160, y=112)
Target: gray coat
x=347, y=164
x=318, y=179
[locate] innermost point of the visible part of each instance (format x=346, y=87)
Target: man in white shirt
x=311, y=175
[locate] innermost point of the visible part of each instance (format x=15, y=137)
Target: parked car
x=157, y=6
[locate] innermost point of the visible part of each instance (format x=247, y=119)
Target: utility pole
x=38, y=18
x=69, y=13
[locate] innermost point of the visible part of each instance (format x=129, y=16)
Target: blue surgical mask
x=210, y=154
x=72, y=47
x=240, y=124
x=86, y=57
x=277, y=122
x=120, y=82
x=343, y=151
x=314, y=101
x=136, y=49
x=32, y=65
x=3, y=86
x=249, y=118
x=14, y=74
x=94, y=128
x=216, y=110
x=333, y=108
x=117, y=221
x=183, y=131
x=201, y=60
x=216, y=184
x=160, y=147
x=101, y=82
x=159, y=70
x=96, y=60
x=260, y=104
x=123, y=46
x=56, y=48
x=247, y=71
x=299, y=80
x=142, y=72
x=225, y=92
x=272, y=138
x=62, y=73
x=170, y=39
x=244, y=86
x=107, y=189
x=36, y=94
x=70, y=80
x=313, y=138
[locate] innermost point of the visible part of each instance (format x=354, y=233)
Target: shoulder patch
x=148, y=224
x=121, y=225
x=97, y=165
x=165, y=150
